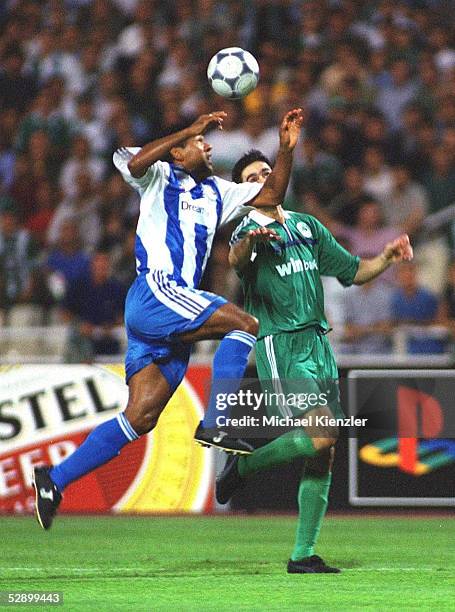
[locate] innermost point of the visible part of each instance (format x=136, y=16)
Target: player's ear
x=177, y=154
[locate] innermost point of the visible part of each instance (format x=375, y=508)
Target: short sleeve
x=234, y=196
x=121, y=158
x=241, y=230
x=335, y=260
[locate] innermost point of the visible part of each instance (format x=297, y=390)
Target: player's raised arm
x=240, y=252
x=152, y=152
x=274, y=189
x=398, y=250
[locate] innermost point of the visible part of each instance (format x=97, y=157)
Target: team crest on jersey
x=304, y=229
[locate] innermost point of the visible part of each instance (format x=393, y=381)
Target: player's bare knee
x=142, y=417
x=320, y=444
x=326, y=440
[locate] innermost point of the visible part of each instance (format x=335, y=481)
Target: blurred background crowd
x=376, y=80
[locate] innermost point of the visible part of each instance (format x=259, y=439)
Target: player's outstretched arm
x=152, y=152
x=398, y=250
x=274, y=189
x=240, y=252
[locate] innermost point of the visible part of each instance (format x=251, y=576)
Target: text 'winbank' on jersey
x=282, y=281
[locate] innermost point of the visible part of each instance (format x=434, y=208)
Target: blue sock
x=229, y=365
x=101, y=445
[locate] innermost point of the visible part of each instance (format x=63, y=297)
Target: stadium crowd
x=376, y=80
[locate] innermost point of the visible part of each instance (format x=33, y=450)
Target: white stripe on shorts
x=277, y=387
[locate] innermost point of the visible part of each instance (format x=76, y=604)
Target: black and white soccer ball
x=233, y=72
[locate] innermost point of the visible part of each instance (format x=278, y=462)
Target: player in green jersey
x=280, y=257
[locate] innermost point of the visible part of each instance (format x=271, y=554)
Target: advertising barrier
x=46, y=412
x=405, y=456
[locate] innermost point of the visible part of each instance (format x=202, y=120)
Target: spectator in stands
x=439, y=39
x=377, y=175
x=53, y=60
x=22, y=190
x=334, y=141
x=116, y=196
x=7, y=161
x=376, y=133
x=66, y=262
x=419, y=159
x=316, y=171
x=445, y=111
x=346, y=64
x=46, y=116
x=368, y=231
x=80, y=160
x=368, y=319
x=378, y=75
x=414, y=306
x=406, y=205
x=344, y=206
x=94, y=305
x=439, y=179
x=18, y=259
x=85, y=123
x=407, y=138
x=43, y=158
x=42, y=213
x=434, y=253
x=133, y=37
x=448, y=141
x=426, y=95
x=142, y=103
x=403, y=41
x=393, y=99
x=84, y=209
x=17, y=88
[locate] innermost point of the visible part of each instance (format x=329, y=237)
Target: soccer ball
x=233, y=72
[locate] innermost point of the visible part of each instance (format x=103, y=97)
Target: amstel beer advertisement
x=46, y=412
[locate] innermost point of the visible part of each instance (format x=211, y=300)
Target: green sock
x=286, y=448
x=313, y=498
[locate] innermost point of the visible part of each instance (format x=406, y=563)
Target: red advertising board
x=47, y=411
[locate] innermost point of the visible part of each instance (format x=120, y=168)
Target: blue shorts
x=157, y=312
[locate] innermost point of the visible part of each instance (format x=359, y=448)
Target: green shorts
x=301, y=365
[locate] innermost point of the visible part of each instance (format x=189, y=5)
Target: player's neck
x=199, y=174
x=274, y=212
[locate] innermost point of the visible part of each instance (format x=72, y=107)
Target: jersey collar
x=185, y=179
x=262, y=219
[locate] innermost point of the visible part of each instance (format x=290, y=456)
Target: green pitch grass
x=229, y=563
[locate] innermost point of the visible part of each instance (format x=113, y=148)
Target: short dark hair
x=247, y=159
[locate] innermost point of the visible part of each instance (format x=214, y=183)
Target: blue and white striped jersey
x=179, y=217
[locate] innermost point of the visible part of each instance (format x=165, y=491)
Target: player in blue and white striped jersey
x=182, y=206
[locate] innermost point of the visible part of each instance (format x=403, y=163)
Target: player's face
x=256, y=172
x=197, y=155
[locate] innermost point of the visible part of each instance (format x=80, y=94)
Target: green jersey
x=282, y=282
